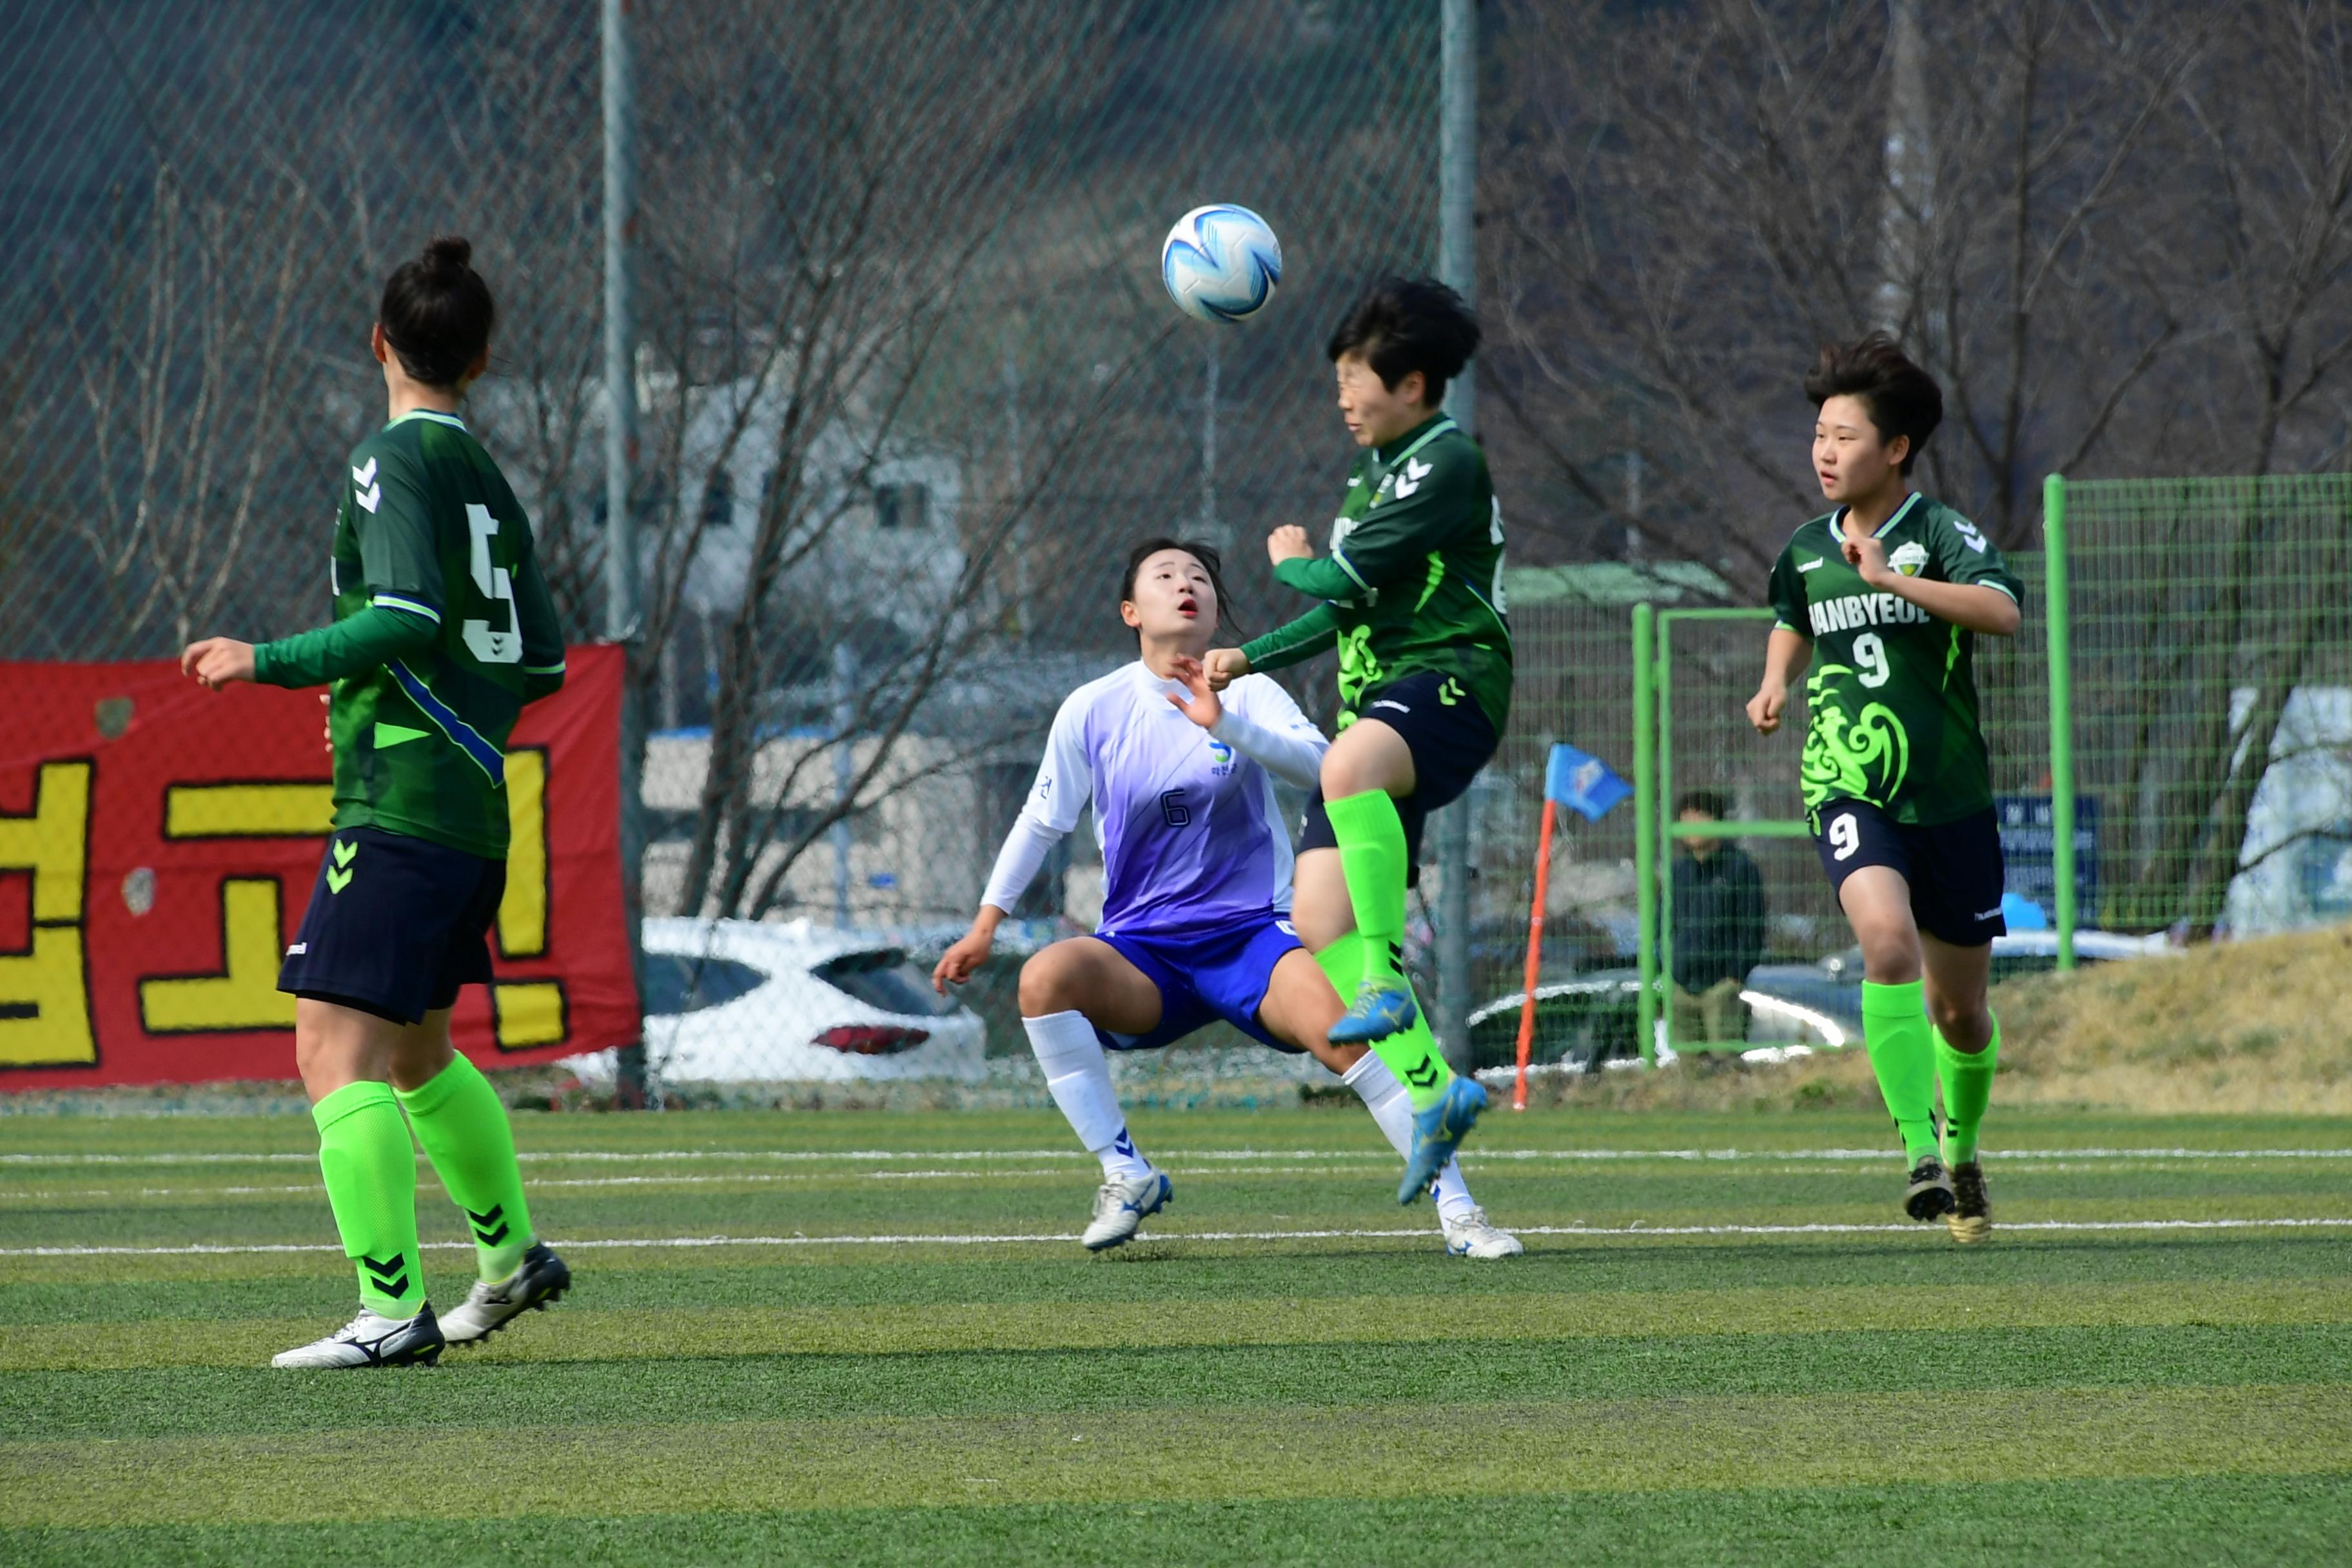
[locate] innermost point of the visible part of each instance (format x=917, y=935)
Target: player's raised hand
x=1867, y=556
x=216, y=661
x=1223, y=666
x=1201, y=705
x=970, y=951
x=1765, y=708
x=1288, y=542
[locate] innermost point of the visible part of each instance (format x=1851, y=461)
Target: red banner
x=158, y=844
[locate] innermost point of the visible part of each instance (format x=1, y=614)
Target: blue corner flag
x=1585, y=784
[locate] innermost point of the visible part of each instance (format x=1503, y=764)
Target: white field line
x=856, y=1156
x=1031, y=1238
x=1348, y=1164
x=733, y=1179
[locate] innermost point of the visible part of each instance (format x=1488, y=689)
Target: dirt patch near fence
x=2258, y=1026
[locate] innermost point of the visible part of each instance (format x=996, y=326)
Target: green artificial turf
x=781, y=1347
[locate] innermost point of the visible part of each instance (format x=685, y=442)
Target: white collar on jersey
x=434, y=414
x=1837, y=518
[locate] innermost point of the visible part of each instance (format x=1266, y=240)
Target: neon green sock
x=1371, y=836
x=1967, y=1090
x=1901, y=1042
x=1412, y=1056
x=466, y=1133
x=371, y=1171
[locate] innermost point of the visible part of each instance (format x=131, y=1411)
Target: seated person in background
x=1718, y=915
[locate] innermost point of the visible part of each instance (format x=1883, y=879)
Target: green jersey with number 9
x=1891, y=698
x=429, y=527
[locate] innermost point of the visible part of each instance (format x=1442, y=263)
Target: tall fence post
x=2062, y=714
x=623, y=615
x=1457, y=188
x=1645, y=835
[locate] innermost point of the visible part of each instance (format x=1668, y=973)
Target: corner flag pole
x=1535, y=952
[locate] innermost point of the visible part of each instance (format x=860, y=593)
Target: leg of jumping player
x=1367, y=768
x=1334, y=894
x=1299, y=1009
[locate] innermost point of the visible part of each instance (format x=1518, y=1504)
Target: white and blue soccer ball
x=1221, y=263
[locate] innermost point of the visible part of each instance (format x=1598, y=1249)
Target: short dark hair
x=1903, y=399
x=437, y=312
x=1404, y=324
x=1710, y=801
x=1206, y=555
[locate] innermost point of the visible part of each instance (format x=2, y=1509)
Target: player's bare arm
x=1968, y=605
x=1786, y=654
x=1223, y=666
x=1288, y=542
x=214, y=662
x=969, y=951
x=1200, y=702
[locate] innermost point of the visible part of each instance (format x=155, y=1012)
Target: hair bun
x=448, y=252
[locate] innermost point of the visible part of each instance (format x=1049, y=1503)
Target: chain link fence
x=907, y=385
x=2212, y=671
x=908, y=388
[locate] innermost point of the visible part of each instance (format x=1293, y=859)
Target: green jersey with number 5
x=429, y=527
x=1414, y=579
x=1891, y=699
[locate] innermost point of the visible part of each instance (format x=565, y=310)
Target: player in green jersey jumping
x=1412, y=599
x=442, y=630
x=1885, y=596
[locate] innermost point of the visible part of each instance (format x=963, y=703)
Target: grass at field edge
x=2144, y=1523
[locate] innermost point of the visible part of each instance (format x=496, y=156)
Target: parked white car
x=737, y=1000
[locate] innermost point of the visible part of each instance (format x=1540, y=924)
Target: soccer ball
x=1221, y=263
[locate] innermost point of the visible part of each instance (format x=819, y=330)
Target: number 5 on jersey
x=491, y=646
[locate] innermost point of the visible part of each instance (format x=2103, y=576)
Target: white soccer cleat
x=540, y=1280
x=370, y=1340
x=1120, y=1208
x=1475, y=1236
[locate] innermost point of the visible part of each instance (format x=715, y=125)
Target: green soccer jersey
x=1414, y=579
x=442, y=630
x=1891, y=699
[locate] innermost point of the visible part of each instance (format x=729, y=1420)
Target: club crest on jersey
x=1220, y=758
x=1909, y=558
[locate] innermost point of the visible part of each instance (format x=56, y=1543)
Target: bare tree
x=2212, y=645
x=815, y=224
x=1688, y=206
x=181, y=362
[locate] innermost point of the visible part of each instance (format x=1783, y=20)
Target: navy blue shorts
x=1450, y=741
x=396, y=924
x=1954, y=869
x=1203, y=976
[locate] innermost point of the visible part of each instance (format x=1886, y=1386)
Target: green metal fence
x=2170, y=730
x=2203, y=655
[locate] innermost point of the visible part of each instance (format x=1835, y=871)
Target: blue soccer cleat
x=1437, y=1133
x=1379, y=1011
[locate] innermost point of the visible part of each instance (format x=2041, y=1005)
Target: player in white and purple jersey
x=1196, y=890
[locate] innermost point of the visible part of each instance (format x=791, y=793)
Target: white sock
x=1392, y=1107
x=1077, y=1075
